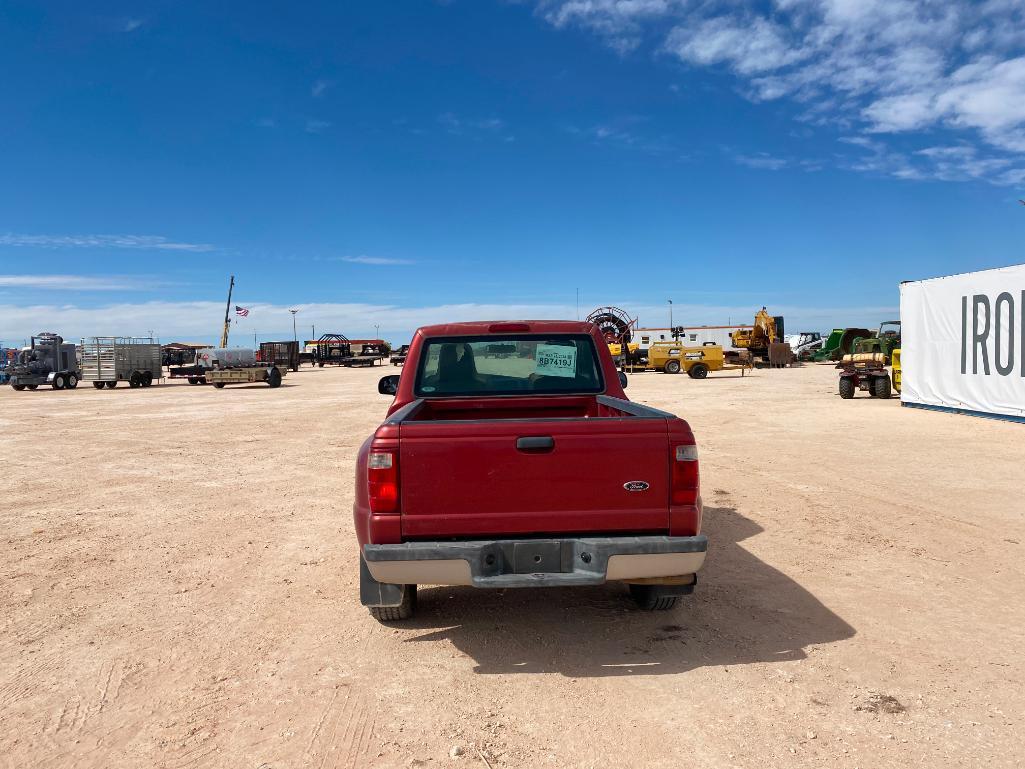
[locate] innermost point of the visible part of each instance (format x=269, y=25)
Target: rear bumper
x=535, y=562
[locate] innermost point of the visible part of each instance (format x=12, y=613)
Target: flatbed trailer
x=362, y=360
x=196, y=374
x=272, y=375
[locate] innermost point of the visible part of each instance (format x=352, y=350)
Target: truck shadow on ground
x=742, y=611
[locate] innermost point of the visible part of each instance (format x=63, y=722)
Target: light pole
x=295, y=334
x=377, y=331
x=671, y=329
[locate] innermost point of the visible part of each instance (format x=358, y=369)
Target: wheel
x=147, y=379
x=698, y=371
x=218, y=385
x=321, y=364
x=672, y=367
x=847, y=387
x=274, y=378
x=193, y=380
x=17, y=387
x=59, y=382
x=72, y=381
x=650, y=598
x=135, y=380
x=98, y=385
x=112, y=384
x=404, y=610
x=881, y=387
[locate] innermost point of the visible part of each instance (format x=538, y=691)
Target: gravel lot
x=179, y=589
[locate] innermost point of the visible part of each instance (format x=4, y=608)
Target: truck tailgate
x=464, y=479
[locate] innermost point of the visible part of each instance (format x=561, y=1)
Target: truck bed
x=532, y=465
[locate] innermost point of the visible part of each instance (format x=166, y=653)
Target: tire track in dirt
x=343, y=734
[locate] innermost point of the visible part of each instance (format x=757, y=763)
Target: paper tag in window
x=555, y=360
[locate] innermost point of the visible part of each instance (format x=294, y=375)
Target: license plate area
x=531, y=557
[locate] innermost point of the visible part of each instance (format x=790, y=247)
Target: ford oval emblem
x=636, y=486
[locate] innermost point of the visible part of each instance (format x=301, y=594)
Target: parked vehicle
x=332, y=349
x=47, y=360
x=398, y=357
x=803, y=345
x=107, y=360
x=527, y=470
x=840, y=343
x=696, y=362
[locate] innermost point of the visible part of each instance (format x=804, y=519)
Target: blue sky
x=398, y=163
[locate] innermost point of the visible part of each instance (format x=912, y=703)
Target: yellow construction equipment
x=895, y=373
x=767, y=330
x=696, y=362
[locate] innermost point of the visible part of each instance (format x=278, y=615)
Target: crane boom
x=227, y=315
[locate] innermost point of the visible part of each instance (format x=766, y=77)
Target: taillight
x=686, y=486
x=383, y=481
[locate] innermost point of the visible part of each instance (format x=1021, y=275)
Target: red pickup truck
x=511, y=457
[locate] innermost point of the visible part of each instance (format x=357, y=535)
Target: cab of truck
x=511, y=458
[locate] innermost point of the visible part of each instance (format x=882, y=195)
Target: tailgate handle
x=536, y=443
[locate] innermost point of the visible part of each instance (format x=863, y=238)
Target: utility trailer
x=285, y=354
x=48, y=360
x=333, y=349
x=272, y=375
x=108, y=360
x=398, y=357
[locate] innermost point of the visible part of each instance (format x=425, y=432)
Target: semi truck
x=47, y=360
x=109, y=360
x=523, y=471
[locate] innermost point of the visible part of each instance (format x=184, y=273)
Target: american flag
x=242, y=312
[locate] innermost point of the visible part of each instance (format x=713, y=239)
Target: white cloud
x=317, y=126
x=378, y=260
x=952, y=67
x=131, y=25
x=74, y=282
x=139, y=242
x=762, y=161
x=318, y=88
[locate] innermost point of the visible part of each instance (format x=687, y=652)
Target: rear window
x=508, y=365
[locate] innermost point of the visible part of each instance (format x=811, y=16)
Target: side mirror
x=622, y=380
x=389, y=385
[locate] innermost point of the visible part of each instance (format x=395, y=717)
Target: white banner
x=963, y=341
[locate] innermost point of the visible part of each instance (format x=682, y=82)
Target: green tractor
x=886, y=340
x=864, y=368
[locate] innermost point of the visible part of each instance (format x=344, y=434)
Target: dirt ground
x=178, y=588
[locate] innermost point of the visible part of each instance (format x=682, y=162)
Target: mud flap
x=374, y=593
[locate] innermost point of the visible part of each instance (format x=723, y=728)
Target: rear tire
x=650, y=598
x=193, y=380
x=72, y=381
x=32, y=387
x=98, y=385
x=404, y=610
x=847, y=388
x=881, y=387
x=672, y=367
x=18, y=387
x=274, y=378
x=147, y=379
x=112, y=384
x=58, y=382
x=698, y=371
